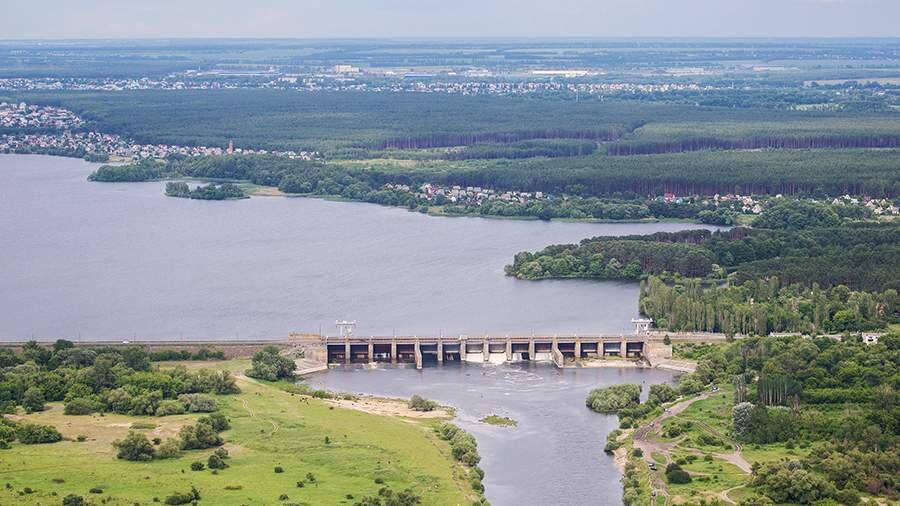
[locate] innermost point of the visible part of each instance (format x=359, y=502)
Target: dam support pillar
x=371, y=351
x=577, y=347
x=394, y=351
x=346, y=351
x=623, y=349
x=440, y=349
x=418, y=354
x=555, y=354
x=508, y=349
x=486, y=349
x=531, y=349
x=462, y=349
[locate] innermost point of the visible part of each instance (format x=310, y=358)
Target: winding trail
x=723, y=495
x=648, y=447
x=246, y=405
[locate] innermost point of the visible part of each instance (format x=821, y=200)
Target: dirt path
x=648, y=447
x=735, y=458
x=246, y=405
x=723, y=495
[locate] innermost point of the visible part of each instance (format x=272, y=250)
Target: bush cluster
x=203, y=434
x=464, y=449
x=268, y=364
x=613, y=398
x=418, y=403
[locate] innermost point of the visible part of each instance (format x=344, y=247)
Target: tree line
x=211, y=191
x=367, y=185
x=104, y=379
x=862, y=256
x=783, y=142
x=761, y=307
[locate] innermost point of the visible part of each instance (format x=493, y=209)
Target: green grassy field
x=270, y=427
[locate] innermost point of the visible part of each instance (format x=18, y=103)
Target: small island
x=211, y=191
x=503, y=421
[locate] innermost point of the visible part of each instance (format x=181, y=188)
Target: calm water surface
x=121, y=260
x=555, y=454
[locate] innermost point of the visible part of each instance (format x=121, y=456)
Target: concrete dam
x=418, y=350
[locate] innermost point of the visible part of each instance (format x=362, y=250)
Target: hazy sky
x=447, y=18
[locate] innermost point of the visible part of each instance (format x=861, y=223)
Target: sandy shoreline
x=389, y=407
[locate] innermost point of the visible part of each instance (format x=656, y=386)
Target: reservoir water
x=554, y=455
x=82, y=260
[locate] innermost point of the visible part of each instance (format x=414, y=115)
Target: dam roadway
x=495, y=349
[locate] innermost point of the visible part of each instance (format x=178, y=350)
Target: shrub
x=283, y=497
x=7, y=433
x=82, y=406
x=197, y=466
x=169, y=407
x=387, y=496
x=418, y=403
x=146, y=403
x=637, y=452
x=73, y=500
x=215, y=462
x=119, y=401
x=215, y=420
x=279, y=469
x=470, y=458
x=198, y=403
x=32, y=433
x=169, y=449
x=847, y=496
x=33, y=400
x=448, y=430
x=300, y=484
x=135, y=446
x=689, y=384
x=96, y=490
x=661, y=393
x=676, y=475
x=183, y=498
x=199, y=436
x=222, y=453
x=268, y=364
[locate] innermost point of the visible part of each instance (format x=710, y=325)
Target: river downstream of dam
x=89, y=261
x=555, y=453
